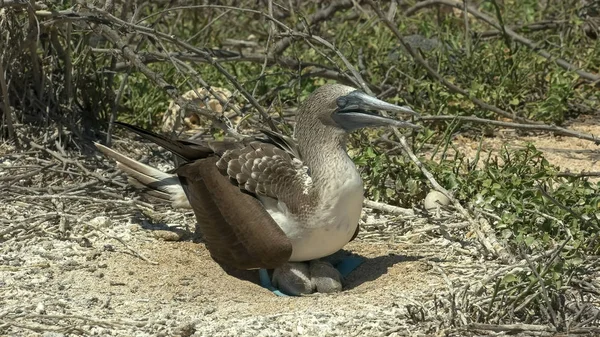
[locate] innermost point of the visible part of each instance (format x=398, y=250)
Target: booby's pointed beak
x=356, y=111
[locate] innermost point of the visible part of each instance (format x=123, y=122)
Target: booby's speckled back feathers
x=266, y=170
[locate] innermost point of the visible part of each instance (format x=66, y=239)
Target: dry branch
x=388, y=208
x=171, y=90
x=513, y=328
x=226, y=56
x=437, y=76
x=531, y=127
x=22, y=3
x=7, y=113
x=314, y=19
x=530, y=27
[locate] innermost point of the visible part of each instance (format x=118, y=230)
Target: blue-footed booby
x=274, y=203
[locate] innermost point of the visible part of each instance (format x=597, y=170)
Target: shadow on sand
x=370, y=270
x=373, y=268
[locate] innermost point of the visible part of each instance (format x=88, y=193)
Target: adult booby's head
x=343, y=109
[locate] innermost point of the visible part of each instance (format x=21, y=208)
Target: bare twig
x=513, y=328
x=437, y=76
x=223, y=56
x=35, y=327
x=12, y=179
x=171, y=90
x=521, y=126
x=549, y=310
x=90, y=199
x=73, y=162
x=467, y=34
x=91, y=320
x=21, y=3
x=360, y=80
x=7, y=113
x=315, y=19
x=582, y=174
x=131, y=249
x=388, y=208
x=32, y=40
x=530, y=27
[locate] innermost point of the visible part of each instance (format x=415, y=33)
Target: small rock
x=40, y=308
x=186, y=330
x=93, y=255
x=84, y=242
x=98, y=331
x=101, y=222
x=14, y=263
x=70, y=265
x=435, y=199
x=167, y=235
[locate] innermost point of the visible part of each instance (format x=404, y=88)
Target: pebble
x=101, y=222
x=435, y=199
x=167, y=235
x=40, y=308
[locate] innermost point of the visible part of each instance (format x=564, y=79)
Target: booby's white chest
x=331, y=225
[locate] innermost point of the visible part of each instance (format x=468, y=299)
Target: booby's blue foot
x=348, y=264
x=345, y=267
x=265, y=282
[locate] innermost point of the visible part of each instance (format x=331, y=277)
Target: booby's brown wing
x=237, y=229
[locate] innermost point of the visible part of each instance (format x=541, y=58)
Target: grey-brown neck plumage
x=321, y=143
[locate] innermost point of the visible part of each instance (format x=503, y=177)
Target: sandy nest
x=80, y=256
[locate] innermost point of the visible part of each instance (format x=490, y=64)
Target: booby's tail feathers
x=153, y=182
x=185, y=149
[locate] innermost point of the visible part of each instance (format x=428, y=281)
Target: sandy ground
x=98, y=269
x=569, y=154
x=100, y=287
